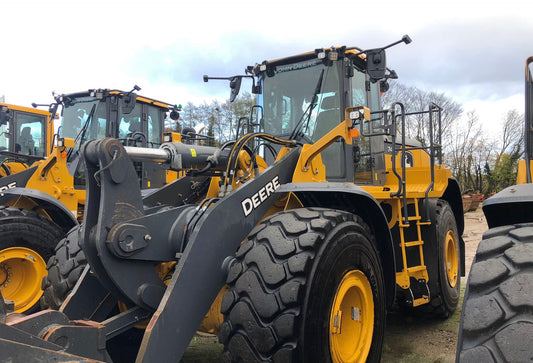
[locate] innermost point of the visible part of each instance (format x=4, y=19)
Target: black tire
x=283, y=283
x=64, y=270
x=444, y=291
x=28, y=229
x=497, y=320
x=444, y=285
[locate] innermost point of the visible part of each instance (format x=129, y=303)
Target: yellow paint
x=52, y=177
x=48, y=133
x=21, y=273
x=452, y=259
x=310, y=167
x=419, y=272
x=13, y=167
x=213, y=319
x=521, y=176
x=49, y=127
x=351, y=321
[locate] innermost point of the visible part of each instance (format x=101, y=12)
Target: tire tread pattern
x=496, y=322
x=22, y=227
x=64, y=270
x=267, y=280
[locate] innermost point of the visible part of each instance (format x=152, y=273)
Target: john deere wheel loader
x=497, y=316
x=42, y=199
x=291, y=241
x=26, y=136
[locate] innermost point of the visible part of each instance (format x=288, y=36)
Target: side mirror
x=4, y=117
x=174, y=115
x=376, y=62
x=383, y=86
x=235, y=85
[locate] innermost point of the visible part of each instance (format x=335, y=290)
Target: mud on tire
x=496, y=322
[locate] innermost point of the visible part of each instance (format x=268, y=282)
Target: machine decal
x=6, y=187
x=251, y=203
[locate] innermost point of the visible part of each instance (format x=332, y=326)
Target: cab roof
x=105, y=92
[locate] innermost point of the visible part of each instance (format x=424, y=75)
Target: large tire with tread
x=27, y=240
x=64, y=270
x=442, y=248
x=306, y=286
x=497, y=320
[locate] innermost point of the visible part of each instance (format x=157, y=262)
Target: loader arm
x=123, y=242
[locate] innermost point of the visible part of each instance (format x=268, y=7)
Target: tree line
x=480, y=162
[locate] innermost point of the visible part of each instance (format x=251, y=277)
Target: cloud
x=185, y=62
x=466, y=58
x=479, y=59
x=470, y=50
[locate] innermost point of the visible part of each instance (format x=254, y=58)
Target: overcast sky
x=473, y=51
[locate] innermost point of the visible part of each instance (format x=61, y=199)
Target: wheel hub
x=21, y=273
x=5, y=274
x=352, y=319
x=452, y=259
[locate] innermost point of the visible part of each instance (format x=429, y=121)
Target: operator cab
x=133, y=119
x=309, y=93
x=24, y=131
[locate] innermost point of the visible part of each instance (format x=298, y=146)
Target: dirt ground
x=407, y=339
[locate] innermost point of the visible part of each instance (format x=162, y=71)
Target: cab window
x=4, y=136
x=29, y=134
x=130, y=124
x=154, y=126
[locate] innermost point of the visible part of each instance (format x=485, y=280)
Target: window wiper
x=298, y=128
x=81, y=135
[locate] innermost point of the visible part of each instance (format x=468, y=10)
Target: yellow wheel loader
x=291, y=241
x=42, y=198
x=26, y=136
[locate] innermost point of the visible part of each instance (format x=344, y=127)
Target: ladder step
x=414, y=243
x=421, y=301
x=416, y=269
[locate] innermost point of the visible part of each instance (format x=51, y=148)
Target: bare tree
x=512, y=135
x=501, y=169
x=416, y=100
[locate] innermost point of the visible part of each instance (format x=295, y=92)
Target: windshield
x=287, y=97
x=87, y=114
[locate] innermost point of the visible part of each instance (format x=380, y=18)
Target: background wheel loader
x=497, y=320
x=42, y=199
x=26, y=135
x=291, y=241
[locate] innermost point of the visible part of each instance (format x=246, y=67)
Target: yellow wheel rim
x=351, y=322
x=452, y=260
x=21, y=273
